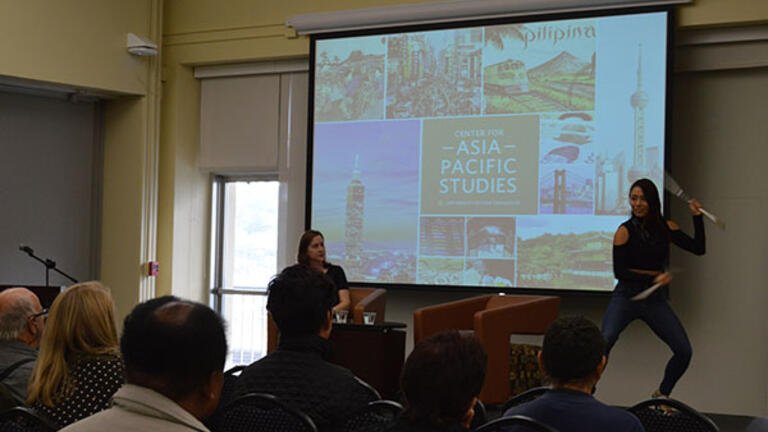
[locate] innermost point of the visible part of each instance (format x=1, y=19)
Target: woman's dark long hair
x=304, y=242
x=653, y=221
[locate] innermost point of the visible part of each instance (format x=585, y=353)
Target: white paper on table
x=648, y=291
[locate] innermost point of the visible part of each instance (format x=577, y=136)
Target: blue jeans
x=660, y=317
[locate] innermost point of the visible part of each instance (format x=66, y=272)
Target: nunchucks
x=671, y=185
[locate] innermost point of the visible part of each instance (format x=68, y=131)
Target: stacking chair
x=524, y=397
x=228, y=386
x=516, y=423
x=373, y=394
x=22, y=419
x=7, y=401
x=670, y=415
x=481, y=416
x=373, y=417
x=262, y=412
x=227, y=395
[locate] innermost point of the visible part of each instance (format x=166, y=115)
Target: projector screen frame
x=669, y=9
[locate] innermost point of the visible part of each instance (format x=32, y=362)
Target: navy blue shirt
x=575, y=411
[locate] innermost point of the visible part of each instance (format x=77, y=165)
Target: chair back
x=228, y=386
x=481, y=416
x=22, y=419
x=497, y=301
x=7, y=401
x=357, y=294
x=515, y=423
x=363, y=300
x=373, y=394
x=263, y=412
x=373, y=417
x=677, y=417
x=524, y=397
x=227, y=395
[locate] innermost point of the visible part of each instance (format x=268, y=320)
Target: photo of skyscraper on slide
x=542, y=67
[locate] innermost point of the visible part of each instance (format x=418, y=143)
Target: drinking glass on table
x=369, y=318
x=340, y=316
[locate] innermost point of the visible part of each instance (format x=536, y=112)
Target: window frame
x=218, y=207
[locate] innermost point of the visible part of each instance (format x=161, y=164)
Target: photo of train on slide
x=565, y=83
x=519, y=78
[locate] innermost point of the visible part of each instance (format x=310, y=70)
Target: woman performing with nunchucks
x=640, y=258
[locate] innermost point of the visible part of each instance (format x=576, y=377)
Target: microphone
x=49, y=264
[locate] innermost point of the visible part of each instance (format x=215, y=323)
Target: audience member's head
x=81, y=322
x=178, y=349
x=21, y=316
x=300, y=301
x=573, y=353
x=442, y=377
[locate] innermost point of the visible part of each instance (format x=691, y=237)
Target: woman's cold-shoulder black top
x=648, y=249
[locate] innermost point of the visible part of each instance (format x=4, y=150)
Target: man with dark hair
x=174, y=352
x=300, y=301
x=440, y=382
x=22, y=320
x=573, y=357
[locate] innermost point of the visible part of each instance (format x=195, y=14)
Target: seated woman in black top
x=312, y=254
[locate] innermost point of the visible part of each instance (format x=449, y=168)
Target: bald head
x=13, y=297
x=17, y=307
x=175, y=313
x=173, y=346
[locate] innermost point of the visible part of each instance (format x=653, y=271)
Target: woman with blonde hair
x=78, y=367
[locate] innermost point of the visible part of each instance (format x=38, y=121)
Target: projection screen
x=494, y=156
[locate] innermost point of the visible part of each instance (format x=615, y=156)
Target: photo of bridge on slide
x=566, y=189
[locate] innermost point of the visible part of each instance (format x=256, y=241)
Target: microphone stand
x=48, y=263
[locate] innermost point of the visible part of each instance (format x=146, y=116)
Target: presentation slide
x=495, y=156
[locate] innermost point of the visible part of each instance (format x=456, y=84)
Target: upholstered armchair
x=493, y=318
x=360, y=300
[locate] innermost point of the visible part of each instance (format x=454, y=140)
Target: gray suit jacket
x=10, y=353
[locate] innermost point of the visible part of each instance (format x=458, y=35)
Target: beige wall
x=80, y=45
x=76, y=42
x=702, y=13
x=205, y=21
x=121, y=216
x=199, y=32
x=184, y=190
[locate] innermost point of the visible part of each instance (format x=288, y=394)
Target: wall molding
x=721, y=48
x=451, y=10
x=721, y=35
x=224, y=35
x=252, y=68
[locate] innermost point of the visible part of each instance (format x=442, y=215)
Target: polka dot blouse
x=96, y=379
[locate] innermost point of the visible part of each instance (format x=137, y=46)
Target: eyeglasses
x=43, y=314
